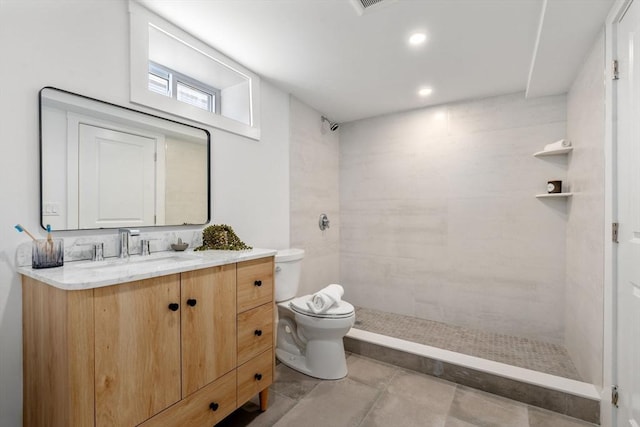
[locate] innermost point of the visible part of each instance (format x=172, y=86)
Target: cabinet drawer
x=255, y=332
x=255, y=283
x=205, y=407
x=254, y=376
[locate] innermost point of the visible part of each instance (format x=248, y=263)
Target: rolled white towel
x=325, y=298
x=563, y=143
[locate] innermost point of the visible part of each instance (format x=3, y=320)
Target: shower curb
x=582, y=403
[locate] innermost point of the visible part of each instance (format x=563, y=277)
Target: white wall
x=251, y=179
x=83, y=47
x=314, y=190
x=439, y=218
x=585, y=224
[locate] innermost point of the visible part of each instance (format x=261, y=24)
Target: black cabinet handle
x=257, y=283
x=213, y=406
x=257, y=332
x=191, y=302
x=174, y=306
x=258, y=377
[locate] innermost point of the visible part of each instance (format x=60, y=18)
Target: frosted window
x=159, y=85
x=195, y=97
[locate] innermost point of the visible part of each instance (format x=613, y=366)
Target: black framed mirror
x=108, y=166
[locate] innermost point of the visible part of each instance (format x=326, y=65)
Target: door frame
x=73, y=122
x=609, y=365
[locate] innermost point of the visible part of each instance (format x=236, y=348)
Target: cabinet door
x=208, y=325
x=137, y=350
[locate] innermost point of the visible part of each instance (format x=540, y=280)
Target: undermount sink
x=137, y=261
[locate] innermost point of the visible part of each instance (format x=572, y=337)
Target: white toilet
x=307, y=342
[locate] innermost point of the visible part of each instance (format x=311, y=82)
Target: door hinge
x=614, y=232
x=614, y=70
x=614, y=396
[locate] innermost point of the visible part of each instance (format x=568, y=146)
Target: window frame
x=160, y=73
x=174, y=78
x=140, y=21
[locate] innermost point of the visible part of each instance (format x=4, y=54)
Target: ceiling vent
x=369, y=3
x=366, y=6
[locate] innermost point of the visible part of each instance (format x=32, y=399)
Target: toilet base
x=312, y=345
x=298, y=362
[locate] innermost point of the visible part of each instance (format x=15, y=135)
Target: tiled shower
x=434, y=214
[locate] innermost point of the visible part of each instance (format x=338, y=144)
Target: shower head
x=332, y=125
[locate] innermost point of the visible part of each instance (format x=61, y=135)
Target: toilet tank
x=288, y=268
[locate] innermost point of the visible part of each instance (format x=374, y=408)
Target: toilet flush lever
x=323, y=222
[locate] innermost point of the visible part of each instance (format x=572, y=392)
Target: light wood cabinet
x=58, y=356
x=181, y=349
x=254, y=376
x=255, y=332
x=137, y=350
x=255, y=284
x=202, y=408
x=255, y=329
x=208, y=329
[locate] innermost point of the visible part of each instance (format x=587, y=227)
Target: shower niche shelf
x=554, y=195
x=557, y=152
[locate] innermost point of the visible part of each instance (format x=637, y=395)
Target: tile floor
x=379, y=394
x=523, y=352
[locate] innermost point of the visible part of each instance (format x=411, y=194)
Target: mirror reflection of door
x=116, y=178
x=115, y=162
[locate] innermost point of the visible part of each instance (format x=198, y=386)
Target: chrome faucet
x=124, y=234
x=145, y=248
x=97, y=250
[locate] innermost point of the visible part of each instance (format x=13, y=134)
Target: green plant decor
x=221, y=237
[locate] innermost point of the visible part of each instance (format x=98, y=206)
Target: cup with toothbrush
x=45, y=253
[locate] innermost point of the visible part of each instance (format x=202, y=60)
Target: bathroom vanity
x=164, y=340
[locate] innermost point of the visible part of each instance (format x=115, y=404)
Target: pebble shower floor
x=517, y=351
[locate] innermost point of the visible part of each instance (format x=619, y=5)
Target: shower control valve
x=323, y=222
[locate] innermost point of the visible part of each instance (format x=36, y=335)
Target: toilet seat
x=340, y=311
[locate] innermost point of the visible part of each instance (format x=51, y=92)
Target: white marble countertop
x=79, y=275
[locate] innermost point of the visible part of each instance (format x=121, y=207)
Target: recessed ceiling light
x=425, y=91
x=417, y=38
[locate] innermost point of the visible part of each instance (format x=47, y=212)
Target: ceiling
x=350, y=66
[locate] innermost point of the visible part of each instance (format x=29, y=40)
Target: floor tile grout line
x=296, y=401
x=381, y=393
x=285, y=396
x=455, y=391
x=312, y=388
x=395, y=368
